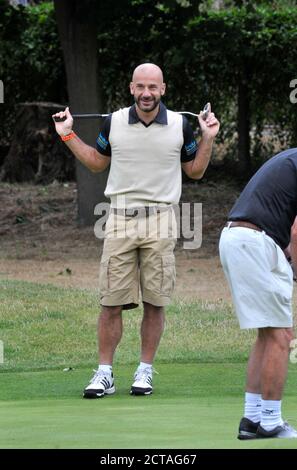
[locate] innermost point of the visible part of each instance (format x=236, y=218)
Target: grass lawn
x=194, y=406
x=198, y=393
x=43, y=326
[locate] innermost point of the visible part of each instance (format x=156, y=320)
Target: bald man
x=146, y=146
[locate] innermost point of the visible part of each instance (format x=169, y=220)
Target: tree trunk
x=243, y=127
x=78, y=35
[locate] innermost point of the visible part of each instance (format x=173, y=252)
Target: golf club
x=205, y=113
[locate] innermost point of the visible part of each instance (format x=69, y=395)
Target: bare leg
x=152, y=327
x=275, y=362
x=254, y=368
x=268, y=363
x=110, y=329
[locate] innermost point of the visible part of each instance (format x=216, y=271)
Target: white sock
x=106, y=368
x=144, y=365
x=252, y=406
x=271, y=415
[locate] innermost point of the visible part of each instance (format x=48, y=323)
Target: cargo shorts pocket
x=168, y=274
x=103, y=277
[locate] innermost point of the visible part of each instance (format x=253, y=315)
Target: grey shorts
x=259, y=276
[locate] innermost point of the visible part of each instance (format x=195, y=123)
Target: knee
x=150, y=309
x=111, y=311
x=280, y=336
x=290, y=334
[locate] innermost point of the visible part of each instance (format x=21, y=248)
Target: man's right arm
x=87, y=155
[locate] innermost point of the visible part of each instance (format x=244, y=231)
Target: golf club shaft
x=81, y=116
x=97, y=116
x=89, y=116
x=94, y=116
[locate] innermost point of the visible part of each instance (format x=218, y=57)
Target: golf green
x=194, y=406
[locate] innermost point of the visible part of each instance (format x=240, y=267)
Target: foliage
x=204, y=52
x=31, y=64
x=205, y=56
x=256, y=46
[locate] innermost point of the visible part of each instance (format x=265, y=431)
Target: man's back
x=269, y=200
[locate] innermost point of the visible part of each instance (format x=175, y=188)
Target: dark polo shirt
x=269, y=200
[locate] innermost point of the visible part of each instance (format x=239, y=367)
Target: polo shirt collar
x=161, y=117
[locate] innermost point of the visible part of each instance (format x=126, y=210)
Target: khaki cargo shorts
x=138, y=258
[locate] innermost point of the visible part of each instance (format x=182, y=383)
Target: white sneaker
x=100, y=384
x=285, y=431
x=143, y=382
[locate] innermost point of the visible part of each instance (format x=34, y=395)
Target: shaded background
x=239, y=55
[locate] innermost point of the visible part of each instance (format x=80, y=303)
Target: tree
x=78, y=35
x=228, y=55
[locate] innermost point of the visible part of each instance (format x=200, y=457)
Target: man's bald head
x=145, y=70
x=147, y=87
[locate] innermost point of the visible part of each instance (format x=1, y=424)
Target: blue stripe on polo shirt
x=191, y=148
x=102, y=142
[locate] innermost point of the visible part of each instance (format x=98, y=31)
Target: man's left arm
x=195, y=168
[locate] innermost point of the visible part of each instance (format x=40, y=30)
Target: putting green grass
x=194, y=406
x=198, y=393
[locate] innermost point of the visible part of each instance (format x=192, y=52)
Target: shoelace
x=143, y=374
x=98, y=376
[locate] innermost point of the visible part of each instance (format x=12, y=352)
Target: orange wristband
x=68, y=137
